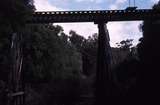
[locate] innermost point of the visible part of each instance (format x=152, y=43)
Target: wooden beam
x=16, y=94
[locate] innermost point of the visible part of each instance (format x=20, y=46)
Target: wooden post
x=15, y=77
x=103, y=83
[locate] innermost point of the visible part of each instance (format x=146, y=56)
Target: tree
x=89, y=55
x=13, y=14
x=51, y=60
x=45, y=49
x=16, y=12
x=125, y=44
x=88, y=50
x=148, y=72
x=76, y=40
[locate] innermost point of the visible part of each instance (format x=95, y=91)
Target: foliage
x=76, y=40
x=90, y=47
x=148, y=46
x=48, y=54
x=50, y=59
x=125, y=44
x=88, y=50
x=13, y=14
x=144, y=71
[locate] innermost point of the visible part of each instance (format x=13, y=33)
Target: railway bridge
x=100, y=17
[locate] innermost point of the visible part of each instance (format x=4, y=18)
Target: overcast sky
x=118, y=30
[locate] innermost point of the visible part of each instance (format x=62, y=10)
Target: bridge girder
x=94, y=16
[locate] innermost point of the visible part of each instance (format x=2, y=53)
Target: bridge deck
x=94, y=16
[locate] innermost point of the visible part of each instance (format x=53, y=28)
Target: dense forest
x=59, y=69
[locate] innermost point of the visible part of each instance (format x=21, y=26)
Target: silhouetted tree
x=13, y=13
x=13, y=16
x=147, y=87
x=76, y=40
x=125, y=44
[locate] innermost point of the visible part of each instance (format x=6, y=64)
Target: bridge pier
x=103, y=83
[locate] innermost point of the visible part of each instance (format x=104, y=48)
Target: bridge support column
x=103, y=83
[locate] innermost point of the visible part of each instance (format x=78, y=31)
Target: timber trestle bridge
x=16, y=89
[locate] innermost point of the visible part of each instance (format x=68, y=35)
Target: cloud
x=44, y=5
x=84, y=0
x=117, y=4
x=154, y=1
x=124, y=30
x=120, y=1
x=118, y=31
x=85, y=29
x=95, y=1
x=113, y=6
